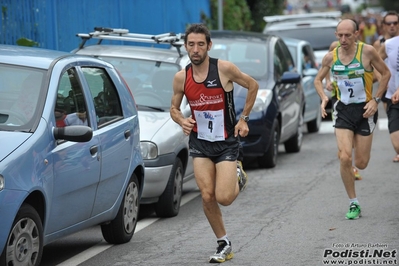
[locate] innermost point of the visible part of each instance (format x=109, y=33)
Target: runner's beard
x=199, y=61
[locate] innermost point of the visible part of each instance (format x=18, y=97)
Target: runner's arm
x=318, y=82
x=187, y=124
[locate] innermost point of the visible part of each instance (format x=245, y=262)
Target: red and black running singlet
x=211, y=106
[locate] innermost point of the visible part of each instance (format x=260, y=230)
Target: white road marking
x=382, y=123
x=327, y=126
x=102, y=246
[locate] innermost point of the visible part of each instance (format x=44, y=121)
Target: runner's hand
x=395, y=97
x=371, y=108
x=241, y=128
x=323, y=107
x=188, y=125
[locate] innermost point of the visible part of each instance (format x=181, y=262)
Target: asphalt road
x=292, y=214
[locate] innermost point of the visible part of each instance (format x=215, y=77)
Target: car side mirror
x=73, y=133
x=289, y=78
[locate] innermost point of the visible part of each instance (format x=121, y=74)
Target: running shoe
x=242, y=176
x=396, y=158
x=357, y=174
x=354, y=211
x=223, y=252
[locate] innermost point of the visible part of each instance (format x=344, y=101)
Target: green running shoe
x=354, y=212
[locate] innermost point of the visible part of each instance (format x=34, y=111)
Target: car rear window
x=151, y=82
x=248, y=57
x=319, y=38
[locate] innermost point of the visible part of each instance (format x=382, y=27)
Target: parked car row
x=318, y=29
x=88, y=137
x=277, y=115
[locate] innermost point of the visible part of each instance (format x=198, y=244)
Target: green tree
x=261, y=8
x=390, y=4
x=236, y=15
x=244, y=15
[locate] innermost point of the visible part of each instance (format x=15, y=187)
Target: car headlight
x=1, y=182
x=149, y=150
x=263, y=100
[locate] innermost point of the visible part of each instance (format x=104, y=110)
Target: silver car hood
x=10, y=141
x=151, y=123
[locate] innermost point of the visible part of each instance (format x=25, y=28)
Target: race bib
x=210, y=125
x=397, y=80
x=352, y=90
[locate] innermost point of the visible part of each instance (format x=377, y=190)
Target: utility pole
x=220, y=14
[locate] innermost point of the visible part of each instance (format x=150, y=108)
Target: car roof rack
x=279, y=18
x=101, y=33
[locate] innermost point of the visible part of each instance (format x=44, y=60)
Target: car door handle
x=127, y=134
x=93, y=150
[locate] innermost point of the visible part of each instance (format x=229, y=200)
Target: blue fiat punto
x=70, y=154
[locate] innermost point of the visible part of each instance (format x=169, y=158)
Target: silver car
x=149, y=73
x=306, y=66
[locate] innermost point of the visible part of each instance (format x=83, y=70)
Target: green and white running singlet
x=352, y=83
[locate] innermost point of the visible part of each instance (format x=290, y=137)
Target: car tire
x=269, y=158
x=168, y=204
x=24, y=244
x=121, y=229
x=294, y=143
x=314, y=125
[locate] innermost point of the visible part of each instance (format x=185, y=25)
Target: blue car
x=277, y=116
x=70, y=154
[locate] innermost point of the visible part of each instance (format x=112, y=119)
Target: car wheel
x=269, y=158
x=24, y=245
x=294, y=143
x=168, y=204
x=121, y=229
x=314, y=125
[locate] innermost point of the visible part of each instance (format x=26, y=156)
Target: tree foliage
x=390, y=4
x=243, y=14
x=236, y=15
x=261, y=8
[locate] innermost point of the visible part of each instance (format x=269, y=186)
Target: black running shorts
x=351, y=117
x=218, y=151
x=393, y=116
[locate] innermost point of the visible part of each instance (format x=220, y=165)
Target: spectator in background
x=307, y=8
x=329, y=4
x=288, y=8
x=369, y=31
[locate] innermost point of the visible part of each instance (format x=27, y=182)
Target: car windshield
x=151, y=82
x=249, y=57
x=319, y=38
x=19, y=96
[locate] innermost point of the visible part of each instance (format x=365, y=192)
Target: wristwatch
x=245, y=118
x=377, y=99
